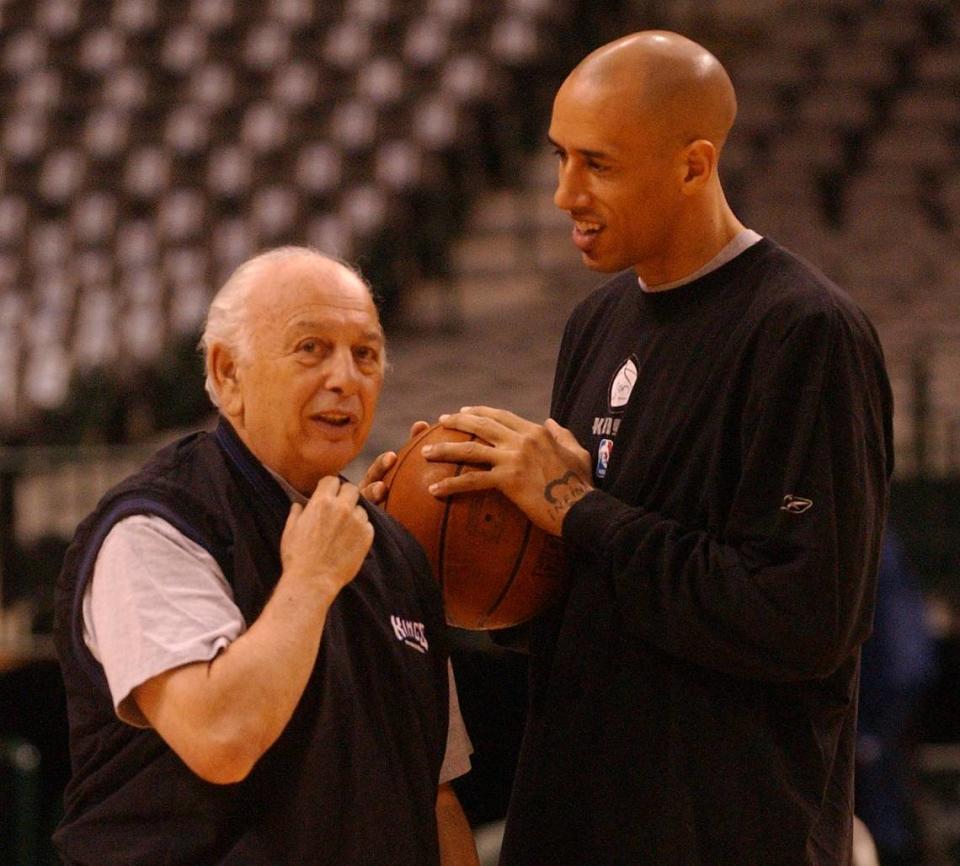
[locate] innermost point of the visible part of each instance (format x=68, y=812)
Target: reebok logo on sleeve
x=795, y=504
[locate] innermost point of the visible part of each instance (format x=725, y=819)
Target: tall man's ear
x=224, y=374
x=700, y=162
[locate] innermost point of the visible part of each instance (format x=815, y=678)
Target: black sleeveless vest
x=353, y=777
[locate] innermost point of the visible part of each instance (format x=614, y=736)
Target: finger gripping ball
x=496, y=569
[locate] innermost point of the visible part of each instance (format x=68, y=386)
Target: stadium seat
x=923, y=105
x=188, y=308
x=318, y=169
x=39, y=90
x=187, y=131
x=102, y=51
x=331, y=233
x=24, y=51
x=126, y=88
x=134, y=17
x=212, y=15
x=61, y=175
x=49, y=244
x=364, y=209
x=229, y=173
x=940, y=66
x=146, y=173
x=274, y=211
x=921, y=147
x=46, y=379
x=14, y=213
x=296, y=85
x=136, y=244
x=184, y=49
x=180, y=215
x=264, y=128
x=212, y=86
x=25, y=136
x=836, y=107
x=353, y=125
x=426, y=42
x=347, y=45
x=106, y=134
x=94, y=217
x=293, y=14
x=232, y=242
x=861, y=64
x=94, y=341
x=142, y=332
x=266, y=47
x=381, y=81
x=58, y=18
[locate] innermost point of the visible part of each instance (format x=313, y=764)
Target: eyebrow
x=307, y=325
x=593, y=154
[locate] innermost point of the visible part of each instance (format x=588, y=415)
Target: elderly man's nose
x=342, y=374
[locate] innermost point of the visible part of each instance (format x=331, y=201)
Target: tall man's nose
x=569, y=193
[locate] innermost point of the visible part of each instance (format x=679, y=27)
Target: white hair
x=228, y=323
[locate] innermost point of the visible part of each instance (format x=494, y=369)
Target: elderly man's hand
x=326, y=540
x=372, y=487
x=540, y=467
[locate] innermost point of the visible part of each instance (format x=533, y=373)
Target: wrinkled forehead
x=319, y=291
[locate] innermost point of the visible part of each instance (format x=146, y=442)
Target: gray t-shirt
x=139, y=623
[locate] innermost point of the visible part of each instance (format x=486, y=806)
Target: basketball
x=496, y=569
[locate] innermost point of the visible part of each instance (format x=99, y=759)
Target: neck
x=706, y=230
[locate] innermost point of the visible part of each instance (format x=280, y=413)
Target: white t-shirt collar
x=739, y=243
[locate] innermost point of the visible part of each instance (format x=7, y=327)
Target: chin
x=601, y=266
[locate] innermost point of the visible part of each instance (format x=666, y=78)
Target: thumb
x=296, y=509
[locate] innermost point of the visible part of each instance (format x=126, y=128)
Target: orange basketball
x=496, y=569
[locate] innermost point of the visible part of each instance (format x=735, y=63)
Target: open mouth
x=585, y=233
x=335, y=419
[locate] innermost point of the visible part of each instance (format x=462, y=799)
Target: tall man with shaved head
x=254, y=658
x=717, y=464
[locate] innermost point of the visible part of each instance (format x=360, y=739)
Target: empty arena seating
x=148, y=147
x=848, y=150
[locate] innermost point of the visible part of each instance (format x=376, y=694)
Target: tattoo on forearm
x=562, y=492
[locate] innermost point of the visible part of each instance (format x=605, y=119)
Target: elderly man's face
x=305, y=401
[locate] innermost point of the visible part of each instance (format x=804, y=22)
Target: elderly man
x=719, y=482
x=249, y=680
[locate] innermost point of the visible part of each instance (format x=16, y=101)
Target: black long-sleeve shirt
x=693, y=699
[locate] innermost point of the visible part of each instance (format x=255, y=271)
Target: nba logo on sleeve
x=603, y=457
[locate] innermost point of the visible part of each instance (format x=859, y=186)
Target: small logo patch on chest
x=795, y=504
x=412, y=633
x=622, y=385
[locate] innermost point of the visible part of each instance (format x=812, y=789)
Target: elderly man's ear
x=226, y=381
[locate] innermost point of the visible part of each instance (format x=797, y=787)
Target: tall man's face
x=619, y=176
x=305, y=399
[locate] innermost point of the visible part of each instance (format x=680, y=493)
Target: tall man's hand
x=540, y=467
x=372, y=487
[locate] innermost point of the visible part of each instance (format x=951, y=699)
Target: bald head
x=248, y=296
x=672, y=83
x=638, y=127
